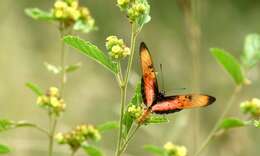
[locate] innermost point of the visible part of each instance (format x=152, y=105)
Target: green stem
x=123, y=99
x=35, y=127
x=222, y=116
x=123, y=88
x=129, y=138
x=130, y=60
x=62, y=61
x=53, y=124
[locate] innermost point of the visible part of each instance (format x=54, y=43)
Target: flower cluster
x=174, y=150
x=135, y=111
x=78, y=136
x=52, y=101
x=251, y=107
x=117, y=48
x=69, y=12
x=135, y=9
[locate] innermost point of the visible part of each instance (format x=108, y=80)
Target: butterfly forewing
x=172, y=104
x=149, y=81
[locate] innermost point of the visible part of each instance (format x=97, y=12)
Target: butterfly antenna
x=162, y=78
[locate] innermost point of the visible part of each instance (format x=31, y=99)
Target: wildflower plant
x=52, y=102
x=78, y=137
x=238, y=71
x=70, y=16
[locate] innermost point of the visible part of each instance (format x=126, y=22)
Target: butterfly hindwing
x=149, y=82
x=170, y=104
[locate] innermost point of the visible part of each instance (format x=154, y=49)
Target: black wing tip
x=211, y=100
x=143, y=46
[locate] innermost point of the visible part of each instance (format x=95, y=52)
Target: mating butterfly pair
x=155, y=100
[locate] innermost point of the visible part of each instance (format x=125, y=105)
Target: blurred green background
x=92, y=94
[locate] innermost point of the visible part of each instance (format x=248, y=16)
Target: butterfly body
x=156, y=101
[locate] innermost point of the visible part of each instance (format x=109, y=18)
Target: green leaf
x=38, y=14
x=91, y=51
x=251, y=53
x=231, y=123
x=91, y=150
x=36, y=89
x=230, y=63
x=6, y=125
x=157, y=120
x=73, y=67
x=107, y=126
x=136, y=100
x=155, y=150
x=4, y=149
x=52, y=68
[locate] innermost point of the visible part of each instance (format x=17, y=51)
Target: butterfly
x=156, y=101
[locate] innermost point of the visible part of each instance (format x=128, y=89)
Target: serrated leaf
x=156, y=120
x=73, y=67
x=91, y=150
x=155, y=150
x=35, y=88
x=136, y=100
x=251, y=53
x=230, y=63
x=90, y=50
x=4, y=149
x=107, y=126
x=231, y=123
x=52, y=68
x=6, y=125
x=38, y=14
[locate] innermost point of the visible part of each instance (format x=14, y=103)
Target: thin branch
x=222, y=116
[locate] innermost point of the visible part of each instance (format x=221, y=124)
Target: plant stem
x=123, y=98
x=222, y=116
x=35, y=127
x=53, y=121
x=129, y=139
x=123, y=89
x=62, y=61
x=53, y=124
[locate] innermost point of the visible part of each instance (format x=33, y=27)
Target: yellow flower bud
x=174, y=150
x=74, y=4
x=53, y=91
x=54, y=102
x=60, y=5
x=59, y=13
x=60, y=138
x=73, y=13
x=85, y=13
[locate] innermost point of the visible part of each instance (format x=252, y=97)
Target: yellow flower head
x=116, y=47
x=174, y=150
x=251, y=107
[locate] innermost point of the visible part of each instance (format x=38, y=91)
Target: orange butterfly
x=155, y=100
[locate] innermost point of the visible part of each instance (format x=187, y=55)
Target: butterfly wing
x=171, y=104
x=149, y=82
